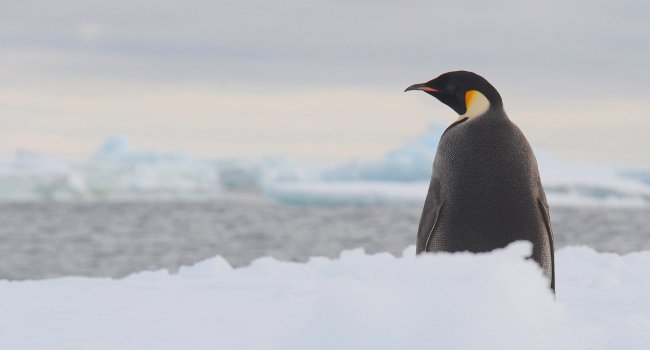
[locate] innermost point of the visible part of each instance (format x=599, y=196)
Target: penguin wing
x=430, y=212
x=543, y=206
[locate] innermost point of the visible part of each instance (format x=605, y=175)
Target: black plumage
x=485, y=189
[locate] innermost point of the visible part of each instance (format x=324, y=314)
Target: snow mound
x=497, y=300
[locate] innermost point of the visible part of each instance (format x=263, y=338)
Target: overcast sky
x=317, y=79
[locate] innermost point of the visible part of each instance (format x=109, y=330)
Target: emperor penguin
x=485, y=189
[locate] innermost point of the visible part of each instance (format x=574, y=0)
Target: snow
x=495, y=300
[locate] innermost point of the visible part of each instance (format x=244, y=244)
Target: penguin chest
x=487, y=191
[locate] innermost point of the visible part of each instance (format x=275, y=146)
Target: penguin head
x=467, y=93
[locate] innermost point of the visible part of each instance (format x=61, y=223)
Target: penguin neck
x=476, y=105
x=494, y=112
x=480, y=107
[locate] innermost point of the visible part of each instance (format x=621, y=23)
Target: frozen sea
x=113, y=239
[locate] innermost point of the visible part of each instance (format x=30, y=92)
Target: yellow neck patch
x=476, y=104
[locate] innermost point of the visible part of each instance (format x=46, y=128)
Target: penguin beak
x=422, y=87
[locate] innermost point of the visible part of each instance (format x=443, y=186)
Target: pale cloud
x=316, y=79
x=89, y=31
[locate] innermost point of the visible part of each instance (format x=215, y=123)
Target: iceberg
x=410, y=163
x=116, y=171
x=402, y=177
x=359, y=193
x=34, y=176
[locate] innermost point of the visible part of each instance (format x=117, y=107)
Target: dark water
x=41, y=240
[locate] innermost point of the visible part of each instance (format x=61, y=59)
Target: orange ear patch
x=469, y=96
